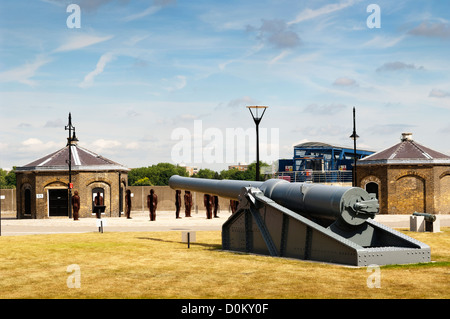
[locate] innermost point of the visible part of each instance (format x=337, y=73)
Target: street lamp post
x=257, y=119
x=354, y=136
x=71, y=138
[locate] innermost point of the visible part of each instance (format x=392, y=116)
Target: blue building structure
x=319, y=156
x=320, y=162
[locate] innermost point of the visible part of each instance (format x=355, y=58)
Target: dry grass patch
x=158, y=265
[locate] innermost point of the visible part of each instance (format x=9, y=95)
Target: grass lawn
x=158, y=265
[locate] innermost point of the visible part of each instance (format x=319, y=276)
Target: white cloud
x=80, y=41
x=326, y=109
x=276, y=32
x=344, y=81
x=427, y=29
x=24, y=73
x=398, y=66
x=176, y=83
x=308, y=14
x=253, y=50
x=241, y=102
x=132, y=146
x=3, y=146
x=36, y=145
x=150, y=10
x=439, y=93
x=89, y=78
x=383, y=42
x=155, y=7
x=279, y=57
x=104, y=146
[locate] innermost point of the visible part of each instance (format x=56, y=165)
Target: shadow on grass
x=210, y=246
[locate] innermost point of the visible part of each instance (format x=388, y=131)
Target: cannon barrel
x=326, y=203
x=428, y=217
x=224, y=188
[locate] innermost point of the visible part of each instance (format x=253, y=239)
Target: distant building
x=319, y=156
x=43, y=185
x=320, y=162
x=192, y=170
x=407, y=177
x=239, y=166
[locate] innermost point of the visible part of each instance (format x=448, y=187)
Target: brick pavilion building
x=43, y=185
x=407, y=177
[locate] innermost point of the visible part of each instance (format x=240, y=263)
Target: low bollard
x=100, y=224
x=188, y=237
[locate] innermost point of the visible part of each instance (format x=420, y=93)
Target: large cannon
x=307, y=221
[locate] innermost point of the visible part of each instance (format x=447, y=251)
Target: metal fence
x=317, y=176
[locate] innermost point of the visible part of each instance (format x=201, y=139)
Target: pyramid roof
x=407, y=151
x=82, y=160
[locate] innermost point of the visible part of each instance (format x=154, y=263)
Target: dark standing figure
x=98, y=201
x=128, y=203
x=233, y=205
x=207, y=201
x=216, y=205
x=75, y=205
x=152, y=203
x=177, y=203
x=187, y=203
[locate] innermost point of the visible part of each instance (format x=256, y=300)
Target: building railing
x=316, y=176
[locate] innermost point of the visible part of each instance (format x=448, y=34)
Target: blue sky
x=135, y=71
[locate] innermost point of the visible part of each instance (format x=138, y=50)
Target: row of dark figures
x=211, y=203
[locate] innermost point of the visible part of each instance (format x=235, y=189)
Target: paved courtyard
x=165, y=221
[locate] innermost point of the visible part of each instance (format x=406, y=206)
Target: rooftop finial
x=406, y=137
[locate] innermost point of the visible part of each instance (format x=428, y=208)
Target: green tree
x=248, y=175
x=143, y=182
x=11, y=178
x=157, y=175
x=205, y=173
x=7, y=179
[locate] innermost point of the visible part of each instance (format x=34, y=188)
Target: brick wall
x=8, y=200
x=166, y=199
x=404, y=189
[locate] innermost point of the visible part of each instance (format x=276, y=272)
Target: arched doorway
x=444, y=197
x=372, y=188
x=98, y=197
x=27, y=199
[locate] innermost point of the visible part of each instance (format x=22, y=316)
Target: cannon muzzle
x=322, y=203
x=428, y=217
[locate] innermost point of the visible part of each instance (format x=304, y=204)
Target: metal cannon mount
x=306, y=221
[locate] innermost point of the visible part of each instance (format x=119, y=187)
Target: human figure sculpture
x=177, y=203
x=98, y=201
x=216, y=205
x=187, y=203
x=75, y=205
x=152, y=203
x=128, y=204
x=207, y=201
x=233, y=205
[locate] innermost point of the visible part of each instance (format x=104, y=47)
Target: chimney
x=406, y=137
